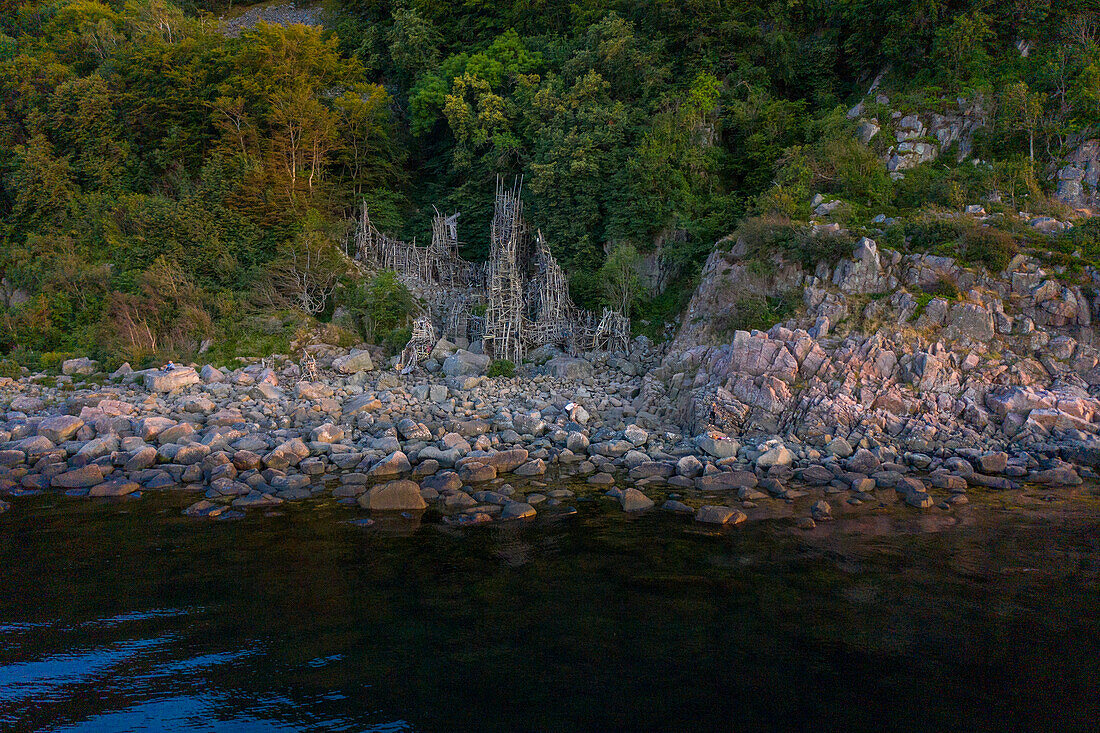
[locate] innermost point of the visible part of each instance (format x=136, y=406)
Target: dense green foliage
x=501, y=368
x=161, y=181
x=378, y=310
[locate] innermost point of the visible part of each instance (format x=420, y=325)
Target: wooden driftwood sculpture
x=516, y=301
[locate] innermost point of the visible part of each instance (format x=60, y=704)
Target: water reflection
x=118, y=619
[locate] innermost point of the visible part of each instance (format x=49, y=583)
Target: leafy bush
x=396, y=339
x=254, y=336
x=379, y=307
x=52, y=360
x=893, y=237
x=930, y=234
x=992, y=248
x=824, y=247
x=945, y=185
x=502, y=368
x=923, y=299
x=1085, y=237
x=9, y=368
x=760, y=312
x=655, y=317
x=762, y=235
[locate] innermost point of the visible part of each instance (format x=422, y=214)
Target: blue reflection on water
x=56, y=672
x=140, y=616
x=206, y=713
x=135, y=676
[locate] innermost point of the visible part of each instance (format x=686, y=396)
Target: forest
x=160, y=178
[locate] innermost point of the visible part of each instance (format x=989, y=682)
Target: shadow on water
x=127, y=616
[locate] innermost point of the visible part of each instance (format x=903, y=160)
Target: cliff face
x=884, y=352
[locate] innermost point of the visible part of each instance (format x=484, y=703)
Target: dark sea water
x=125, y=615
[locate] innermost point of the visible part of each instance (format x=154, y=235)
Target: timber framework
x=516, y=301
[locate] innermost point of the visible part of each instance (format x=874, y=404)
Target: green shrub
x=931, y=234
x=761, y=236
x=656, y=317
x=272, y=333
x=765, y=236
x=824, y=247
x=992, y=248
x=52, y=360
x=760, y=312
x=893, y=237
x=923, y=299
x=1084, y=237
x=502, y=368
x=9, y=368
x=860, y=175
x=380, y=305
x=395, y=340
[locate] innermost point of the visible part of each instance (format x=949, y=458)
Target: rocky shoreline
x=472, y=448
x=905, y=378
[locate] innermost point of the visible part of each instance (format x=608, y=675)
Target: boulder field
x=873, y=393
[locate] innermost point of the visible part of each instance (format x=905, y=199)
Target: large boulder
x=517, y=510
x=151, y=427
x=394, y=464
x=756, y=355
x=118, y=487
x=175, y=433
x=568, y=367
x=1018, y=400
x=79, y=478
x=210, y=375
x=442, y=349
x=395, y=496
x=28, y=404
x=689, y=466
x=543, y=354
x=463, y=363
x=362, y=403
x=862, y=273
x=161, y=380
x=60, y=428
x=327, y=433
x=412, y=430
x=79, y=367
x=777, y=456
x=356, y=361
x=970, y=321
x=633, y=500
x=717, y=445
x=266, y=392
x=505, y=460
x=726, y=481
